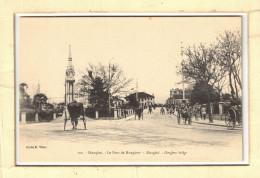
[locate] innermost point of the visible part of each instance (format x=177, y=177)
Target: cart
x=233, y=115
x=76, y=112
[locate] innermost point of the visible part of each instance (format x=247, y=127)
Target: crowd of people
x=185, y=111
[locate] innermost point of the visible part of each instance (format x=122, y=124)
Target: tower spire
x=70, y=58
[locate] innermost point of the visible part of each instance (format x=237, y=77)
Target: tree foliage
x=133, y=101
x=24, y=97
x=212, y=64
x=199, y=93
x=22, y=88
x=39, y=100
x=229, y=54
x=98, y=96
x=113, y=78
x=200, y=65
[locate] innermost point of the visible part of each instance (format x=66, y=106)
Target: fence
x=39, y=115
x=114, y=113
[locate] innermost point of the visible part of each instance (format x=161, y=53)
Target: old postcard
x=131, y=89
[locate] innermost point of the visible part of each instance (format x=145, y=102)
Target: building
x=143, y=99
x=82, y=97
x=117, y=102
x=176, y=96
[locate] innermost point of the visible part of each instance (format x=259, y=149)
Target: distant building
x=117, y=102
x=82, y=97
x=143, y=99
x=176, y=96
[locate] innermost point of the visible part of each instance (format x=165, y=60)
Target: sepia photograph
x=124, y=89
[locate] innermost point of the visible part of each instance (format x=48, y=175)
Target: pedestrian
x=190, y=113
x=162, y=111
x=195, y=111
x=125, y=112
x=150, y=109
x=203, y=112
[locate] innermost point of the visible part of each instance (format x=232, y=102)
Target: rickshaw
x=76, y=112
x=184, y=113
x=233, y=115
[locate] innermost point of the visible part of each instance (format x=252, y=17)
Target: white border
x=244, y=93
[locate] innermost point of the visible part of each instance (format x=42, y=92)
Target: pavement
x=160, y=133
x=220, y=123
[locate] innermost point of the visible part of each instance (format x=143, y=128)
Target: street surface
x=158, y=134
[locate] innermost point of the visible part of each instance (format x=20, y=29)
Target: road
x=155, y=132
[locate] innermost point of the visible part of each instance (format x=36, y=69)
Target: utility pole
x=109, y=88
x=109, y=85
x=65, y=93
x=183, y=89
x=137, y=91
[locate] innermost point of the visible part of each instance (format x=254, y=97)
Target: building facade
x=143, y=99
x=117, y=102
x=176, y=96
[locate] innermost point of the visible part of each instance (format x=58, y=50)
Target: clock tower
x=69, y=80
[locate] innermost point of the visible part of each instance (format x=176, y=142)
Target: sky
x=147, y=48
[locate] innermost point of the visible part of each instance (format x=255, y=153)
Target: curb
x=128, y=118
x=209, y=124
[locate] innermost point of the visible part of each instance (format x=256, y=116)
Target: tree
x=113, y=78
x=39, y=100
x=98, y=96
x=226, y=97
x=219, y=87
x=24, y=98
x=22, y=88
x=133, y=101
x=229, y=53
x=198, y=93
x=200, y=65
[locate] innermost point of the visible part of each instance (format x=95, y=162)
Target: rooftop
x=140, y=95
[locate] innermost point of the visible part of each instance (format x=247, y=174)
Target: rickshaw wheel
x=230, y=125
x=231, y=121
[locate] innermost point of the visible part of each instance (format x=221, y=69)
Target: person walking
x=203, y=112
x=150, y=109
x=162, y=111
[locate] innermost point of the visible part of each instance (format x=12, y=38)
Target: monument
x=69, y=80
